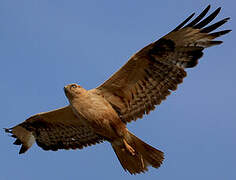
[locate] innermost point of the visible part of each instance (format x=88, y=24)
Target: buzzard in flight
x=101, y=114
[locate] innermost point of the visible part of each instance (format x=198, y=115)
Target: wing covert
x=152, y=73
x=53, y=130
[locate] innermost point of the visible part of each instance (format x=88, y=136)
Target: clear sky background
x=45, y=45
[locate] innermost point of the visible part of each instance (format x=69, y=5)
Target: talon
x=129, y=148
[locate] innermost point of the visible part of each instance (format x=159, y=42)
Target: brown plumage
x=53, y=130
x=142, y=83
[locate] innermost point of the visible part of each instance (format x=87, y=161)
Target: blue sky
x=48, y=44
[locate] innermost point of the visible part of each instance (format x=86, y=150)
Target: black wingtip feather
x=220, y=33
x=214, y=26
x=198, y=23
x=8, y=130
x=207, y=19
x=199, y=18
x=23, y=149
x=17, y=142
x=184, y=22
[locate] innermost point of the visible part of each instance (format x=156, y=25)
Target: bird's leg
x=129, y=148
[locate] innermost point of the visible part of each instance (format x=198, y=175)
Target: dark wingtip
x=199, y=17
x=207, y=19
x=220, y=33
x=217, y=11
x=8, y=130
x=184, y=22
x=214, y=26
x=207, y=8
x=226, y=19
x=17, y=142
x=23, y=149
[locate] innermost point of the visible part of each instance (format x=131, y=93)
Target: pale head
x=73, y=90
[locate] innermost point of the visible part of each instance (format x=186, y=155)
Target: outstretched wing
x=152, y=73
x=58, y=129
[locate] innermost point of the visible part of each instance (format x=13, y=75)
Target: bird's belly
x=101, y=117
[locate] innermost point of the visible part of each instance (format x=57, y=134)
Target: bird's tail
x=136, y=155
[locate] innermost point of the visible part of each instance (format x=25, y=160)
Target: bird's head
x=73, y=91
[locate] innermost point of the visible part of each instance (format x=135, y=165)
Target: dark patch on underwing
x=195, y=55
x=162, y=46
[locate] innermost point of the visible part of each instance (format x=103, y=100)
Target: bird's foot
x=129, y=148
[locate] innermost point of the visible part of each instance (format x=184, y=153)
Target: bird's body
x=101, y=114
x=95, y=111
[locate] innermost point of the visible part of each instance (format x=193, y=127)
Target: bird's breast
x=97, y=112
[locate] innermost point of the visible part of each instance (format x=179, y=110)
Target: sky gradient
x=48, y=44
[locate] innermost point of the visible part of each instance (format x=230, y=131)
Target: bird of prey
x=101, y=114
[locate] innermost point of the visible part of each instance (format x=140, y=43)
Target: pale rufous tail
x=136, y=155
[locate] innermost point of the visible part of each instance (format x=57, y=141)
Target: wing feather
x=199, y=17
x=58, y=129
x=152, y=73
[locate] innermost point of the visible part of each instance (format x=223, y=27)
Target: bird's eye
x=73, y=86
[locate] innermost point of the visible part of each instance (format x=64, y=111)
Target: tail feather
x=145, y=155
x=132, y=163
x=23, y=137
